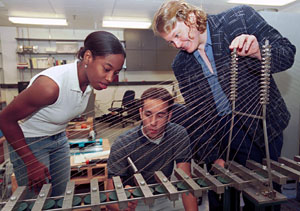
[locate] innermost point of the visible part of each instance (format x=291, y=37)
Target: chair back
x=128, y=98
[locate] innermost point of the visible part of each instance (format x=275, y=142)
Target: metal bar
x=249, y=115
x=95, y=197
x=233, y=95
x=230, y=131
x=291, y=163
x=120, y=192
x=287, y=171
x=181, y=175
x=238, y=183
x=277, y=177
x=69, y=194
x=297, y=158
x=217, y=186
x=41, y=199
x=17, y=195
x=172, y=192
x=149, y=198
x=247, y=173
x=268, y=161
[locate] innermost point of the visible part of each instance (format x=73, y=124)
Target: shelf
x=46, y=53
x=57, y=40
x=40, y=39
x=9, y=86
x=33, y=68
x=140, y=83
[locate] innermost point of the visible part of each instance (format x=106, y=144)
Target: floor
x=290, y=191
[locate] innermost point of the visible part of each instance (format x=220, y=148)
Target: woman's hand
x=220, y=162
x=246, y=45
x=38, y=174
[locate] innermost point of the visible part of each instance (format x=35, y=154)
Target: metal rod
x=233, y=95
x=230, y=132
x=134, y=168
x=267, y=147
x=249, y=115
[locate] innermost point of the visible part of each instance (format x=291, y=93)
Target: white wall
x=9, y=60
x=12, y=75
x=9, y=56
x=289, y=81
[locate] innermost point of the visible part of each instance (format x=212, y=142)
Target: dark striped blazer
x=224, y=27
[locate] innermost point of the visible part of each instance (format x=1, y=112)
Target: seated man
x=152, y=146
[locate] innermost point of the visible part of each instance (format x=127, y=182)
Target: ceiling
x=88, y=14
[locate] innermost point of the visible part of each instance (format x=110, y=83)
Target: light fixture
x=113, y=22
x=262, y=2
x=39, y=21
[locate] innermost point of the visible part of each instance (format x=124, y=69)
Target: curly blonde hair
x=177, y=10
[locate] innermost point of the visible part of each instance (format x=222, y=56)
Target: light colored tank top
x=70, y=103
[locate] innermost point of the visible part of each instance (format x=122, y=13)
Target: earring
x=85, y=66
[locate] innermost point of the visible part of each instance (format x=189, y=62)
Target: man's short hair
x=160, y=94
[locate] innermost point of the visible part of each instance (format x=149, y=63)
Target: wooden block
x=98, y=171
x=276, y=176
